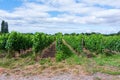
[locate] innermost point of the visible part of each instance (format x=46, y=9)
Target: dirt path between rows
x=50, y=51
x=65, y=43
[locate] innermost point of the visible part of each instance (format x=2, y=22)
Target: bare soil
x=50, y=51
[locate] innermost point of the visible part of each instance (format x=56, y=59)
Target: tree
x=118, y=32
x=4, y=27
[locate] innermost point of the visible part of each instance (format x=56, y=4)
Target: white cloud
x=112, y=3
x=35, y=16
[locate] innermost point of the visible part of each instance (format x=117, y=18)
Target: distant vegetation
x=4, y=27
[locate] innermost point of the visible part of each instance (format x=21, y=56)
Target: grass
x=46, y=61
x=101, y=63
x=108, y=64
x=75, y=60
x=113, y=60
x=104, y=64
x=16, y=62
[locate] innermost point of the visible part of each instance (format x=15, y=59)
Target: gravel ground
x=64, y=76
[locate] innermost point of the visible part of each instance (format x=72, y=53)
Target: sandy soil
x=53, y=73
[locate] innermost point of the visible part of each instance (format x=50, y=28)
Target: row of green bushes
x=62, y=51
x=95, y=43
x=15, y=41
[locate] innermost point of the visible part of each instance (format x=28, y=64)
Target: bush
x=59, y=56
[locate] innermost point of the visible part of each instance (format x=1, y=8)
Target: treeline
x=91, y=33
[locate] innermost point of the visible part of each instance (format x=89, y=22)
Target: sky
x=66, y=16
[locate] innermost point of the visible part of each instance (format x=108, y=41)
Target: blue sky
x=67, y=16
x=9, y=5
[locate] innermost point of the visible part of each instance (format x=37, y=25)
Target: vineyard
x=95, y=43
x=94, y=53
x=17, y=42
x=84, y=45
